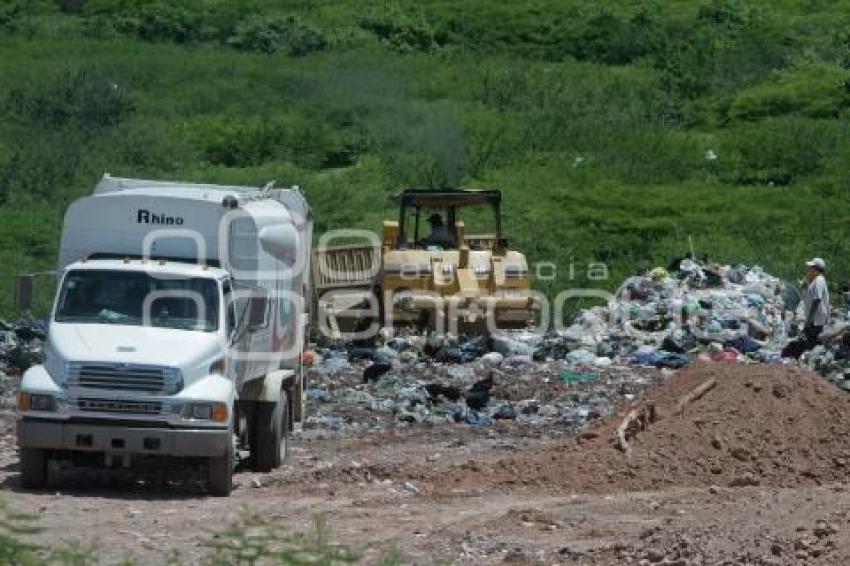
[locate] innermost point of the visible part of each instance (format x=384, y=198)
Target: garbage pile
x=21, y=346
x=831, y=359
x=405, y=384
x=666, y=319
x=657, y=323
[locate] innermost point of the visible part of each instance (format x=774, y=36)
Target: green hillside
x=616, y=130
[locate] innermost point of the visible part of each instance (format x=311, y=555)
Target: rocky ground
x=753, y=472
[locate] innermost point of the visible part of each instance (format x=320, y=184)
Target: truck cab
x=150, y=359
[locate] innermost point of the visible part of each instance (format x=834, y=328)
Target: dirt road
x=484, y=495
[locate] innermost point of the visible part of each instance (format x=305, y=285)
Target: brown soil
x=761, y=425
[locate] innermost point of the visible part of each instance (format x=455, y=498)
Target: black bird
x=477, y=400
x=376, y=370
x=479, y=394
x=436, y=389
x=485, y=384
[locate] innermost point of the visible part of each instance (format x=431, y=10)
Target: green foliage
x=264, y=34
x=82, y=99
x=778, y=151
x=604, y=37
x=242, y=141
x=14, y=529
x=16, y=16
x=254, y=540
x=729, y=44
x=162, y=21
x=10, y=14
x=615, y=129
x=815, y=91
x=405, y=30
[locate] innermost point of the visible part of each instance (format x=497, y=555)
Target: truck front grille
x=124, y=377
x=118, y=406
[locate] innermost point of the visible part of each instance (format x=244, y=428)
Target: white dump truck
x=177, y=331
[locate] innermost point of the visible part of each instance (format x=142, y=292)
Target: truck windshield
x=137, y=298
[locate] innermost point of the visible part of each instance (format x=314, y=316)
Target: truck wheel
x=33, y=468
x=271, y=434
x=220, y=472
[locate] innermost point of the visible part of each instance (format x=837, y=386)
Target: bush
x=14, y=527
x=253, y=540
x=816, y=91
x=403, y=31
x=71, y=6
x=238, y=142
x=270, y=34
x=604, y=37
x=776, y=151
x=162, y=22
x=726, y=46
x=249, y=141
x=18, y=15
x=99, y=27
x=10, y=14
x=84, y=99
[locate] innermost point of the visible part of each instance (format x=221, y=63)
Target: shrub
x=606, y=38
x=13, y=529
x=269, y=34
x=160, y=21
x=816, y=91
x=10, y=14
x=238, y=142
x=71, y=6
x=840, y=47
x=249, y=141
x=727, y=45
x=99, y=26
x=777, y=151
x=18, y=15
x=40, y=167
x=253, y=540
x=404, y=31
x=83, y=98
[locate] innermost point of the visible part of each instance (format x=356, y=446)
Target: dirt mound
x=759, y=425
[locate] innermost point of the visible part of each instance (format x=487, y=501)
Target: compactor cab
x=436, y=220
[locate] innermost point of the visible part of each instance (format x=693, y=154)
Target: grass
x=594, y=119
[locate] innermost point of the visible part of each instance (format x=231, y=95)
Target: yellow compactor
x=426, y=271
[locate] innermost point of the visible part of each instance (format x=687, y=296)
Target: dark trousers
x=807, y=341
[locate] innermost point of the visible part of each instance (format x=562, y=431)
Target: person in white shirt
x=815, y=309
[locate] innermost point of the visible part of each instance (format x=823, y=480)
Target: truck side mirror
x=280, y=241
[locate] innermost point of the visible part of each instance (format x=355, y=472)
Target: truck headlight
x=204, y=412
x=36, y=402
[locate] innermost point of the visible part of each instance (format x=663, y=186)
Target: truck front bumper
x=113, y=438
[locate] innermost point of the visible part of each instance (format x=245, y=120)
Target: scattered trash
x=658, y=322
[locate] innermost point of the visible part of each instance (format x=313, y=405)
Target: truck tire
x=220, y=472
x=271, y=434
x=33, y=468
